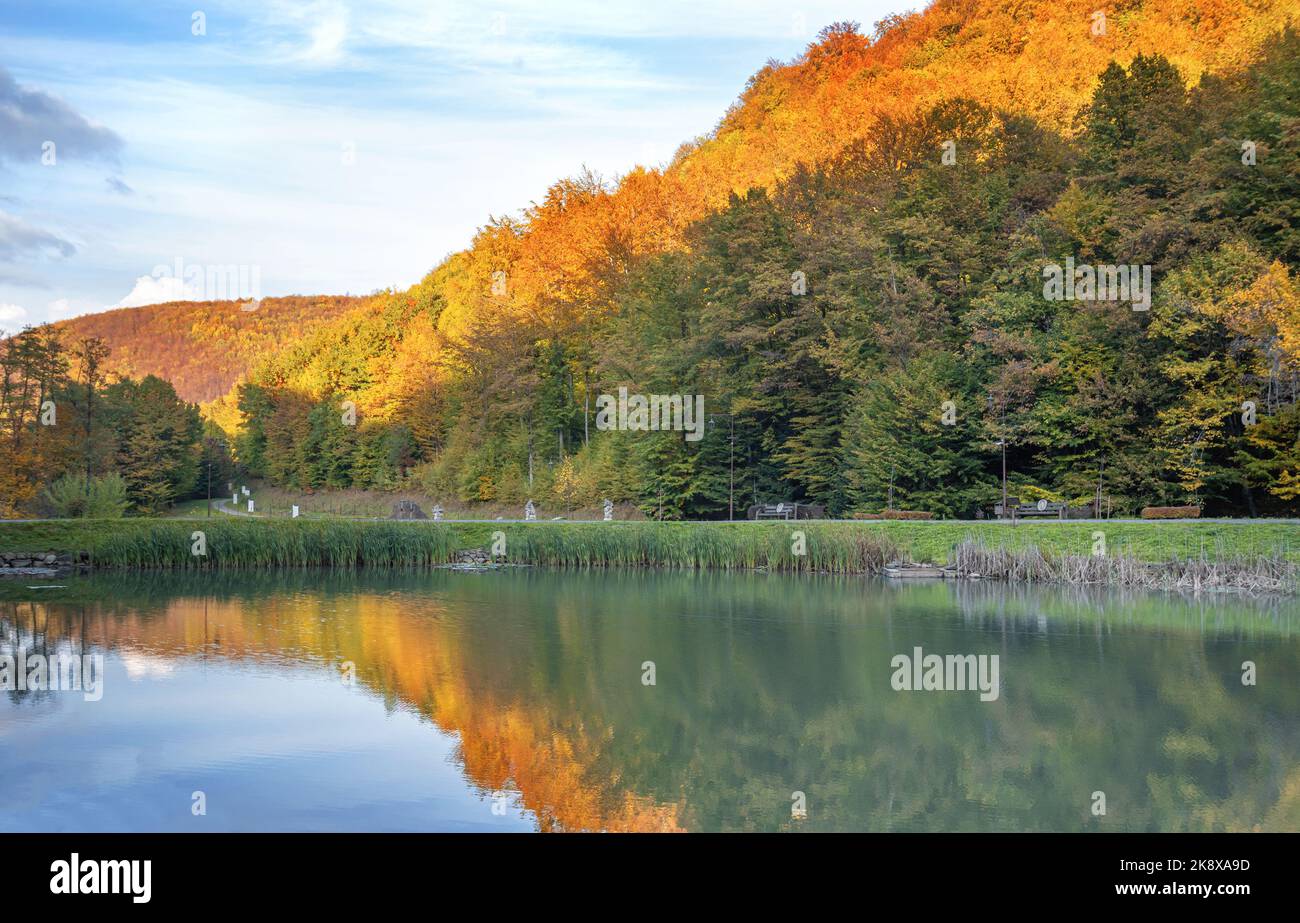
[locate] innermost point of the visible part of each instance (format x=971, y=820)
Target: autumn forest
x=850, y=269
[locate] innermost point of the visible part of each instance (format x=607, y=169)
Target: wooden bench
x=786, y=511
x=1041, y=508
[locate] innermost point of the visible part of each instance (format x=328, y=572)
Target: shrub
x=107, y=498
x=102, y=498
x=67, y=497
x=1171, y=512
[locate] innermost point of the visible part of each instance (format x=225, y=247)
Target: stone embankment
x=42, y=563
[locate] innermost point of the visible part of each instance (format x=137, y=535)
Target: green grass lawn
x=1144, y=540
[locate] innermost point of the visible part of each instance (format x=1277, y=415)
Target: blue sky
x=334, y=145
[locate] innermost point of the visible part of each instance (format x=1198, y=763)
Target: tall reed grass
x=1257, y=573
x=247, y=543
x=235, y=543
x=826, y=548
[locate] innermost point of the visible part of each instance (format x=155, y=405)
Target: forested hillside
x=854, y=271
x=923, y=284
x=202, y=347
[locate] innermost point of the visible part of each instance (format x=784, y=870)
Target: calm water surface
x=515, y=700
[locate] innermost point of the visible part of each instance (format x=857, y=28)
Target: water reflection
x=522, y=691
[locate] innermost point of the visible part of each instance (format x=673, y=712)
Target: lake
x=523, y=699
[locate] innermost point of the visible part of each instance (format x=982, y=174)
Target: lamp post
x=731, y=463
x=1003, y=444
x=731, y=483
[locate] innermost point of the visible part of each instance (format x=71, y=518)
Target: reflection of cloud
x=30, y=117
x=151, y=290
x=18, y=238
x=146, y=666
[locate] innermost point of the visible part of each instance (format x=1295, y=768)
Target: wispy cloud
x=20, y=239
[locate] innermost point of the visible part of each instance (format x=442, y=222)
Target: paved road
x=224, y=506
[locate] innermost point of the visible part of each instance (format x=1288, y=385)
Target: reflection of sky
x=766, y=684
x=230, y=143
x=273, y=749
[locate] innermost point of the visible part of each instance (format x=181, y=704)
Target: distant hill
x=203, y=347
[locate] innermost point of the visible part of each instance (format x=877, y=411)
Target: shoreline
x=1250, y=556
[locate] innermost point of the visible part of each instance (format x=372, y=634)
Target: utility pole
x=209, y=487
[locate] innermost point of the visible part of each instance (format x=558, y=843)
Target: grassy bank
x=236, y=543
x=836, y=547
x=275, y=501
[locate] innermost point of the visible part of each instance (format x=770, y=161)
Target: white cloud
x=327, y=37
x=151, y=290
x=11, y=318
x=59, y=309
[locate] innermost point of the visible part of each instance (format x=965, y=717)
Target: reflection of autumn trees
x=413, y=659
x=769, y=685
